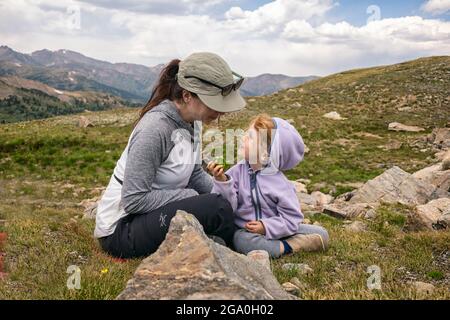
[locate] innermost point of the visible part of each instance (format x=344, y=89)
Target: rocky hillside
x=69, y=70
x=24, y=99
x=375, y=175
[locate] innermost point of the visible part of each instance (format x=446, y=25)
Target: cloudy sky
x=293, y=37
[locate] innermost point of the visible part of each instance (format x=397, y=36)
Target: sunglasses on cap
x=225, y=90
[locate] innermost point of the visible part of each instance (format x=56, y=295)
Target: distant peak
x=3, y=47
x=41, y=51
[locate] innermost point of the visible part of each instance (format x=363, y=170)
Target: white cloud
x=298, y=30
x=414, y=29
x=158, y=6
x=283, y=36
x=272, y=17
x=436, y=6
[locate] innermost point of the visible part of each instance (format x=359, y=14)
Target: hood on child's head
x=287, y=148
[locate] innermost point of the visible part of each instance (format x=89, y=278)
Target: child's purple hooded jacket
x=267, y=195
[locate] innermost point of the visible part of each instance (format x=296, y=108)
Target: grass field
x=48, y=166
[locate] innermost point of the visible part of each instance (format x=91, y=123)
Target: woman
x=155, y=175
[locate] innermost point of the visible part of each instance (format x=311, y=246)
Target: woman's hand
x=217, y=171
x=255, y=227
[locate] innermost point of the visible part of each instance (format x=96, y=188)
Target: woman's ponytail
x=167, y=87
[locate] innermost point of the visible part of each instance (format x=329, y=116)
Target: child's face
x=248, y=139
x=251, y=146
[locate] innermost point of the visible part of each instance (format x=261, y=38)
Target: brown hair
x=167, y=87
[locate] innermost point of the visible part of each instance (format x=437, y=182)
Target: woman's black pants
x=138, y=235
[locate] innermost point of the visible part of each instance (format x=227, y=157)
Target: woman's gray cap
x=212, y=68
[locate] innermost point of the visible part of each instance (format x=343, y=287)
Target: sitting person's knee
x=240, y=241
x=222, y=203
x=325, y=236
x=245, y=242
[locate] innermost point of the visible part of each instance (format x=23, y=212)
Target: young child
x=264, y=201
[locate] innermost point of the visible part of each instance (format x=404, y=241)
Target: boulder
x=444, y=221
x=344, y=210
x=84, y=122
x=291, y=288
x=261, y=257
x=432, y=215
x=333, y=115
x=301, y=268
x=314, y=201
x=356, y=226
x=438, y=175
x=440, y=138
x=90, y=207
x=307, y=202
x=392, y=186
x=443, y=156
x=395, y=185
x=189, y=265
x=299, y=187
x=322, y=199
x=393, y=145
x=396, y=126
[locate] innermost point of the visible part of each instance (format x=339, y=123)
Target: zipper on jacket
x=254, y=196
x=258, y=202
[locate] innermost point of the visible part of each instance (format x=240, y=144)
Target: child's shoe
x=306, y=242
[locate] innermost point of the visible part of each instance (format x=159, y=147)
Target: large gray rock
x=396, y=126
x=433, y=215
x=84, y=122
x=356, y=227
x=443, y=222
x=333, y=115
x=440, y=137
x=438, y=175
x=344, y=210
x=395, y=185
x=314, y=201
x=189, y=265
x=90, y=207
x=392, y=186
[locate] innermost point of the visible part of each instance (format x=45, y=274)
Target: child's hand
x=217, y=171
x=255, y=227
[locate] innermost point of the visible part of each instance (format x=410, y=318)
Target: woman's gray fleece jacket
x=158, y=166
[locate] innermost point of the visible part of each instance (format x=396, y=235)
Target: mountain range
x=69, y=70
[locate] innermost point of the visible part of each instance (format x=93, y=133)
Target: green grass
x=341, y=272
x=43, y=243
x=48, y=166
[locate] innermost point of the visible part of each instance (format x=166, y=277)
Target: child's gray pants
x=245, y=241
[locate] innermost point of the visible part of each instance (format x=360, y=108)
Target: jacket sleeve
x=146, y=152
x=200, y=181
x=228, y=189
x=288, y=218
